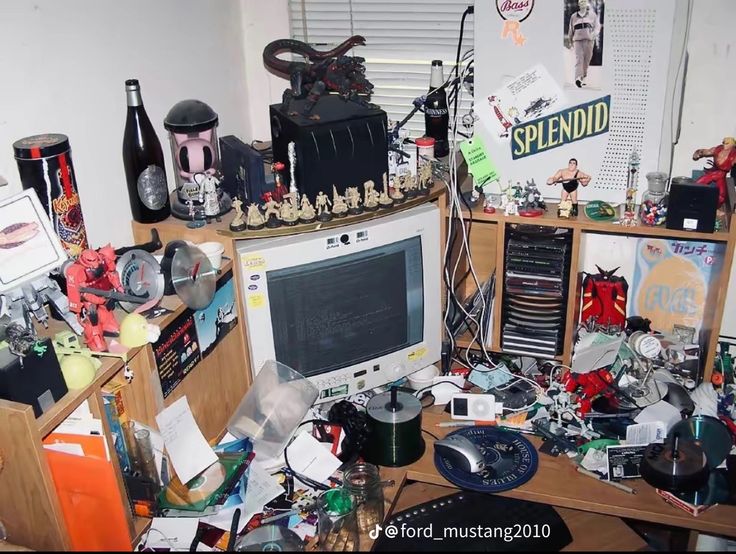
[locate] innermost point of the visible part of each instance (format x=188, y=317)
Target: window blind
x=402, y=39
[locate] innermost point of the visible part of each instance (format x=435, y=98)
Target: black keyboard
x=475, y=522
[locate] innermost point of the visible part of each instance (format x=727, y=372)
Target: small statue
x=570, y=177
x=271, y=213
x=724, y=159
x=410, y=186
x=255, y=219
x=238, y=223
x=323, y=211
x=306, y=212
x=354, y=201
x=396, y=195
x=288, y=213
x=339, y=206
x=384, y=199
x=370, y=201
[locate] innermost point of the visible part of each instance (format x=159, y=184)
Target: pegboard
x=638, y=42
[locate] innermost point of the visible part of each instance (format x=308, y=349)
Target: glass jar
x=653, y=207
x=363, y=482
x=336, y=522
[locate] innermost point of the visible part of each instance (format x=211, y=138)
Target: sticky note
x=479, y=163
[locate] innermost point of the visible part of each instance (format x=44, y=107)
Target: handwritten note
x=188, y=450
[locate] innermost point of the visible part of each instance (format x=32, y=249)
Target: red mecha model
x=94, y=271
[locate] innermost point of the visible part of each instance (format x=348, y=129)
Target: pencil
x=595, y=476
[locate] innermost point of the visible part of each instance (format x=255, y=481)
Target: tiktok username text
x=507, y=534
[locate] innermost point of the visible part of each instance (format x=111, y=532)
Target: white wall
x=63, y=65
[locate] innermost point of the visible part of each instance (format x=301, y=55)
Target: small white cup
x=213, y=250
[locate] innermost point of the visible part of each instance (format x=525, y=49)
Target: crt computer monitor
x=350, y=308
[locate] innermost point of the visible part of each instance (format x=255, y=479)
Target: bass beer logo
x=514, y=10
x=570, y=125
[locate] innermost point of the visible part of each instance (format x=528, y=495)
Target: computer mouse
x=461, y=452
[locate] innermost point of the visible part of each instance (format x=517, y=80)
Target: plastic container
x=653, y=208
x=272, y=408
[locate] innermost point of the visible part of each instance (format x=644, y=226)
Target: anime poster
x=671, y=281
x=219, y=318
x=583, y=43
x=177, y=351
x=528, y=96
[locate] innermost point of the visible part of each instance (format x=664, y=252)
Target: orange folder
x=93, y=508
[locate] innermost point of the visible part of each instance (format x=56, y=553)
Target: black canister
x=45, y=165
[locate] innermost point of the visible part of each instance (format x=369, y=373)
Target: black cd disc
x=510, y=460
x=715, y=491
x=678, y=465
x=709, y=433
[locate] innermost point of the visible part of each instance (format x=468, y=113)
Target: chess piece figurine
x=288, y=212
x=339, y=206
x=724, y=160
x=370, y=200
x=238, y=223
x=570, y=177
x=306, y=211
x=323, y=211
x=271, y=213
x=354, y=201
x=396, y=195
x=255, y=219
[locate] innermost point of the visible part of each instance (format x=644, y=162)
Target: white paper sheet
x=308, y=457
x=188, y=450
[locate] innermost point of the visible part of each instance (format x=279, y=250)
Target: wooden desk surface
x=558, y=483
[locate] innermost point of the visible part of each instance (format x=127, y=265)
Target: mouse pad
x=511, y=460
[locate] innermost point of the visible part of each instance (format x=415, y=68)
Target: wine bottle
x=143, y=159
x=436, y=115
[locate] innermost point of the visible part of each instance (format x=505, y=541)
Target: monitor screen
x=335, y=313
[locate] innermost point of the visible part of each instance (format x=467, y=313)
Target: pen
x=464, y=423
x=612, y=483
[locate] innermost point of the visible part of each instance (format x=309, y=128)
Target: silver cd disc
x=193, y=277
x=270, y=538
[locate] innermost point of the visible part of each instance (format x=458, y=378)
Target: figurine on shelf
x=208, y=197
x=384, y=199
x=396, y=195
x=279, y=189
x=255, y=220
x=271, y=212
x=339, y=206
x=323, y=211
x=410, y=186
x=238, y=222
x=533, y=204
x=288, y=212
x=354, y=201
x=570, y=177
x=88, y=280
x=564, y=209
x=306, y=211
x=724, y=159
x=370, y=199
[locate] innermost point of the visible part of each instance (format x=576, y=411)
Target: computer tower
x=340, y=143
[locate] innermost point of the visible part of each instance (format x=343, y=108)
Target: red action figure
x=724, y=158
x=94, y=270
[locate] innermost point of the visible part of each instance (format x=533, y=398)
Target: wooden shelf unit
x=30, y=508
x=487, y=234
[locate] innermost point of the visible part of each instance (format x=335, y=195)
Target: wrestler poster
x=583, y=43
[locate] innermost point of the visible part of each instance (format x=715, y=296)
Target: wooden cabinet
x=29, y=506
x=487, y=234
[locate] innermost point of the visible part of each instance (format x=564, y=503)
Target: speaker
x=341, y=143
x=692, y=207
x=478, y=407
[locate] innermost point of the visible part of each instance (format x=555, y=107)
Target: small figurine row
x=273, y=214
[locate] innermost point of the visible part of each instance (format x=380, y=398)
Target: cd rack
x=537, y=268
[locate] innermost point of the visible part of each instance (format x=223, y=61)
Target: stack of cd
x=537, y=265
